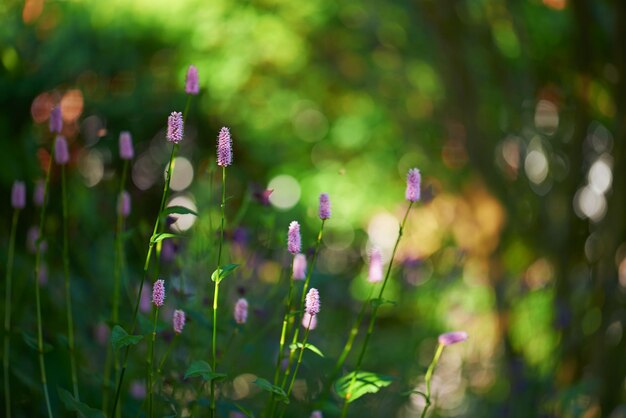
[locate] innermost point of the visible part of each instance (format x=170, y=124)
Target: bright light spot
x=183, y=222
x=91, y=167
x=600, y=176
x=546, y=116
x=383, y=232
x=310, y=125
x=182, y=174
x=286, y=192
x=339, y=235
x=72, y=105
x=511, y=152
x=590, y=204
x=144, y=172
x=536, y=166
x=41, y=107
x=621, y=271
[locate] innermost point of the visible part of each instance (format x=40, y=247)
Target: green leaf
x=267, y=386
x=32, y=343
x=178, y=210
x=245, y=411
x=160, y=237
x=120, y=338
x=381, y=301
x=223, y=272
x=365, y=382
x=82, y=408
x=203, y=369
x=309, y=346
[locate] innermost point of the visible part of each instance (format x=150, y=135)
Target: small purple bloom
x=18, y=195
x=224, y=148
x=191, y=83
x=137, y=389
x=168, y=250
x=312, y=302
x=241, y=311
x=324, y=206
x=56, y=120
x=294, y=242
x=178, y=321
x=175, y=127
x=145, y=300
x=316, y=414
x=101, y=333
x=39, y=192
x=61, y=151
x=299, y=267
x=126, y=146
x=158, y=293
x=123, y=204
x=413, y=185
x=309, y=321
x=452, y=337
x=375, y=273
x=32, y=236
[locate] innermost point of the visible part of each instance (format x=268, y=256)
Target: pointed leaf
x=120, y=338
x=160, y=237
x=365, y=382
x=32, y=343
x=223, y=272
x=267, y=386
x=82, y=408
x=308, y=346
x=178, y=210
x=203, y=369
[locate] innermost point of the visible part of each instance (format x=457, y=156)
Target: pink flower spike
x=123, y=204
x=175, y=127
x=413, y=180
x=191, y=82
x=316, y=414
x=241, y=311
x=299, y=267
x=18, y=195
x=126, y=146
x=452, y=338
x=178, y=321
x=224, y=148
x=309, y=321
x=158, y=293
x=375, y=274
x=294, y=242
x=56, y=120
x=61, y=150
x=324, y=206
x=312, y=302
x=38, y=193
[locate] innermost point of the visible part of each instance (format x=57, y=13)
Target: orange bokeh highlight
x=32, y=10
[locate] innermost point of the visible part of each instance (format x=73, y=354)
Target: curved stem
x=429, y=376
x=38, y=255
x=370, y=328
x=7, y=314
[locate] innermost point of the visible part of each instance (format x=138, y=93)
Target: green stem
x=429, y=376
x=150, y=368
x=295, y=372
x=7, y=314
x=216, y=293
x=167, y=353
x=68, y=290
x=42, y=363
x=146, y=265
x=370, y=328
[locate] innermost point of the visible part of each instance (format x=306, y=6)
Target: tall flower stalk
x=224, y=159
x=158, y=298
x=18, y=202
x=412, y=194
x=175, y=135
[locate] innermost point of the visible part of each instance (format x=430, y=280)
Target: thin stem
x=68, y=290
x=429, y=376
x=370, y=328
x=42, y=363
x=167, y=353
x=150, y=368
x=157, y=222
x=216, y=293
x=7, y=314
x=295, y=372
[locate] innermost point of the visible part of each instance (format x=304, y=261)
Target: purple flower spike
x=312, y=302
x=126, y=146
x=175, y=127
x=316, y=414
x=158, y=293
x=61, y=151
x=56, y=120
x=123, y=204
x=299, y=267
x=375, y=273
x=178, y=321
x=294, y=242
x=413, y=185
x=191, y=83
x=18, y=195
x=39, y=192
x=224, y=148
x=309, y=321
x=452, y=337
x=241, y=311
x=324, y=206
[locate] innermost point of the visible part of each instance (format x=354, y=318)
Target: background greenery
x=505, y=106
